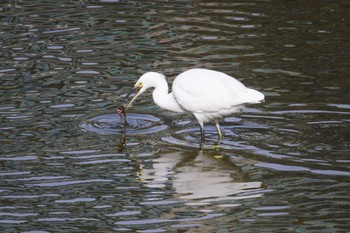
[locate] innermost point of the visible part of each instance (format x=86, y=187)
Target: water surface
x=68, y=165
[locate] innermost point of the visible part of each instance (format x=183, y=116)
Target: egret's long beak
x=137, y=88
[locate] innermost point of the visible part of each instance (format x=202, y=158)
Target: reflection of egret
x=196, y=176
x=207, y=94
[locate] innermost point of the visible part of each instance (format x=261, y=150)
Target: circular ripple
x=111, y=124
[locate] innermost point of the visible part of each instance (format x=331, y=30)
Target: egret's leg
x=201, y=126
x=218, y=129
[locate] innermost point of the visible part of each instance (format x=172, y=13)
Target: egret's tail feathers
x=254, y=96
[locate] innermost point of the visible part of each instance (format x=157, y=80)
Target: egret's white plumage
x=208, y=94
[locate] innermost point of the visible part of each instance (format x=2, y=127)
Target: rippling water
x=68, y=164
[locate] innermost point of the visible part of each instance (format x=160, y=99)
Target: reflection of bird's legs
x=219, y=131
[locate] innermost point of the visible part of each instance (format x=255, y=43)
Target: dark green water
x=65, y=166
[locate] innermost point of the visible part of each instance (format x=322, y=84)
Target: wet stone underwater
x=67, y=164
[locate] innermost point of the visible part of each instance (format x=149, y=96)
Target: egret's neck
x=164, y=99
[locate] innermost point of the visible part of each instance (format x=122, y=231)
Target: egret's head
x=147, y=80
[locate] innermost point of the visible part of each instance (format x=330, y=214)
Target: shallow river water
x=68, y=165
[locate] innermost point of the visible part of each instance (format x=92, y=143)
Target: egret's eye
x=139, y=86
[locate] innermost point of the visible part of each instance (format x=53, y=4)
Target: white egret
x=208, y=94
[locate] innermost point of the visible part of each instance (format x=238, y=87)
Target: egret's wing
x=200, y=90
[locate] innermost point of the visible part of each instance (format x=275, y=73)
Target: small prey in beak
x=121, y=112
